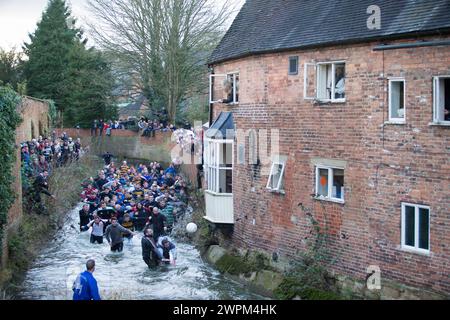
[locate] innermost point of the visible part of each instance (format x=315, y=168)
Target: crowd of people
x=39, y=157
x=122, y=200
x=119, y=202
x=150, y=127
x=147, y=127
x=100, y=127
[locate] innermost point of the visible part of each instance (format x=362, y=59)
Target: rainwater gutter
x=412, y=45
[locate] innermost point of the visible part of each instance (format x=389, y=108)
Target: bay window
x=219, y=165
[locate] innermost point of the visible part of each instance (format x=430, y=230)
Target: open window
x=330, y=183
x=224, y=88
x=276, y=176
x=416, y=227
x=397, y=97
x=441, y=100
x=329, y=84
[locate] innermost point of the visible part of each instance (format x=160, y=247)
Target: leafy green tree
x=91, y=87
x=62, y=69
x=10, y=67
x=9, y=120
x=49, y=54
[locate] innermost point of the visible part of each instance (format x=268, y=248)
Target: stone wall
x=386, y=164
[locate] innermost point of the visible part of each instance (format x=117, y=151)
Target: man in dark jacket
x=114, y=236
x=40, y=185
x=94, y=128
x=149, y=249
x=158, y=221
x=107, y=158
x=85, y=217
x=101, y=181
x=100, y=127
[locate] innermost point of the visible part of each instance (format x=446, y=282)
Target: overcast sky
x=19, y=17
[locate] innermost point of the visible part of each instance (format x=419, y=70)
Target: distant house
x=357, y=96
x=134, y=108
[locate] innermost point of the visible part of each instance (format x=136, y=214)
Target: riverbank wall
x=35, y=122
x=126, y=144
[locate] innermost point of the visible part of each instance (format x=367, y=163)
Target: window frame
x=223, y=75
x=416, y=228
x=278, y=188
x=436, y=121
x=212, y=164
x=296, y=59
x=329, y=196
x=333, y=75
x=392, y=119
x=316, y=88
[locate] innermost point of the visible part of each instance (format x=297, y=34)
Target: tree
x=10, y=67
x=48, y=54
x=61, y=68
x=165, y=42
x=91, y=87
x=9, y=120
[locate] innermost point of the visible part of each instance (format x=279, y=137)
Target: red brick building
x=360, y=104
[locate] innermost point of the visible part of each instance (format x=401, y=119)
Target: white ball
x=191, y=227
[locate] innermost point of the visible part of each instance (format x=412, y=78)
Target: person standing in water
x=85, y=286
x=97, y=229
x=150, y=253
x=114, y=235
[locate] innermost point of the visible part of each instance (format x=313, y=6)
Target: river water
x=123, y=275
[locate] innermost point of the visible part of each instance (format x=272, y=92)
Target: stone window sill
x=276, y=191
x=320, y=198
x=440, y=124
x=394, y=122
x=421, y=252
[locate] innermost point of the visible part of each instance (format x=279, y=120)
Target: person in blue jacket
x=85, y=286
x=171, y=169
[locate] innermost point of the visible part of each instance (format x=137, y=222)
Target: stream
x=123, y=276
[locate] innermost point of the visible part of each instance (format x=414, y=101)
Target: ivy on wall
x=9, y=120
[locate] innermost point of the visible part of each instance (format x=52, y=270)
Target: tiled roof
x=276, y=25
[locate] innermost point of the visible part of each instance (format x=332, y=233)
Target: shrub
x=9, y=120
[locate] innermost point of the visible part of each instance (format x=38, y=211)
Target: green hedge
x=9, y=120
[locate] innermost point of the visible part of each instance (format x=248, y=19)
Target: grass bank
x=34, y=230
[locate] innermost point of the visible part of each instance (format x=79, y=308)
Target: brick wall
x=386, y=164
x=35, y=122
x=126, y=144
